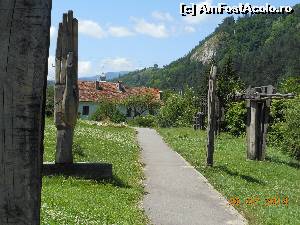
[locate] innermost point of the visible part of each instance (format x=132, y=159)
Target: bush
x=78, y=150
x=286, y=134
x=107, y=110
x=118, y=117
x=49, y=107
x=144, y=121
x=291, y=128
x=285, y=120
x=236, y=118
x=139, y=104
x=178, y=111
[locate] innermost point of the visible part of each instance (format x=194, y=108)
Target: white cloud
x=119, y=32
x=53, y=32
x=163, y=16
x=91, y=28
x=189, y=29
x=117, y=64
x=151, y=29
x=84, y=67
x=199, y=17
x=51, y=68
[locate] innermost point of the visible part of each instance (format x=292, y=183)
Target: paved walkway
x=177, y=193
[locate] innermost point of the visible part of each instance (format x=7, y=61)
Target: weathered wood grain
x=252, y=127
x=66, y=87
x=24, y=46
x=211, y=126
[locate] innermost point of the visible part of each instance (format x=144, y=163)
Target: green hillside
x=263, y=50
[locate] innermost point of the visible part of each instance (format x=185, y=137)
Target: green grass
x=234, y=176
x=68, y=201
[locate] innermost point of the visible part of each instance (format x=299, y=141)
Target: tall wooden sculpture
x=211, y=117
x=258, y=104
x=66, y=87
x=24, y=47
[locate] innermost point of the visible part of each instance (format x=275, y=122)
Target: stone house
x=91, y=92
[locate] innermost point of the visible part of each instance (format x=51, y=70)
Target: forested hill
x=262, y=49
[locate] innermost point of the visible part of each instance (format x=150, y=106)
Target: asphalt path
x=177, y=194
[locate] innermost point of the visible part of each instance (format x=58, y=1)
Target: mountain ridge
x=263, y=48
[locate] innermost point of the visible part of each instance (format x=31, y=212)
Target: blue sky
x=123, y=35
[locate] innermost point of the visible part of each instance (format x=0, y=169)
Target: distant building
x=92, y=92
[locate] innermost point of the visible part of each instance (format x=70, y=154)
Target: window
x=85, y=110
x=128, y=113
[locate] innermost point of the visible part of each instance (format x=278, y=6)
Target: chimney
x=103, y=77
x=160, y=95
x=120, y=86
x=97, y=85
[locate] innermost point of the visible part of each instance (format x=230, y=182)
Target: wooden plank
x=24, y=45
x=259, y=129
x=252, y=130
x=265, y=125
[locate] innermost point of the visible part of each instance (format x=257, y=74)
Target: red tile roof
x=109, y=90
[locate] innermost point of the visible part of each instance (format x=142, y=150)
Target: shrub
x=178, y=111
x=286, y=134
x=118, y=117
x=144, y=121
x=107, y=110
x=236, y=118
x=49, y=107
x=285, y=120
x=139, y=104
x=78, y=150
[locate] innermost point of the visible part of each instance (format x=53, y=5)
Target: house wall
x=92, y=109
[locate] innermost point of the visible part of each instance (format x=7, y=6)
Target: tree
x=228, y=82
x=178, y=110
x=108, y=110
x=139, y=104
x=285, y=117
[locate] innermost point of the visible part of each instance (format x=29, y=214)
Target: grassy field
x=250, y=186
x=68, y=201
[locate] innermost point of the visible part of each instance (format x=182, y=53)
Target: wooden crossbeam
x=261, y=96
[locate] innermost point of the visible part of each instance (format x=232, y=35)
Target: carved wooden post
x=66, y=87
x=211, y=126
x=258, y=104
x=24, y=46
